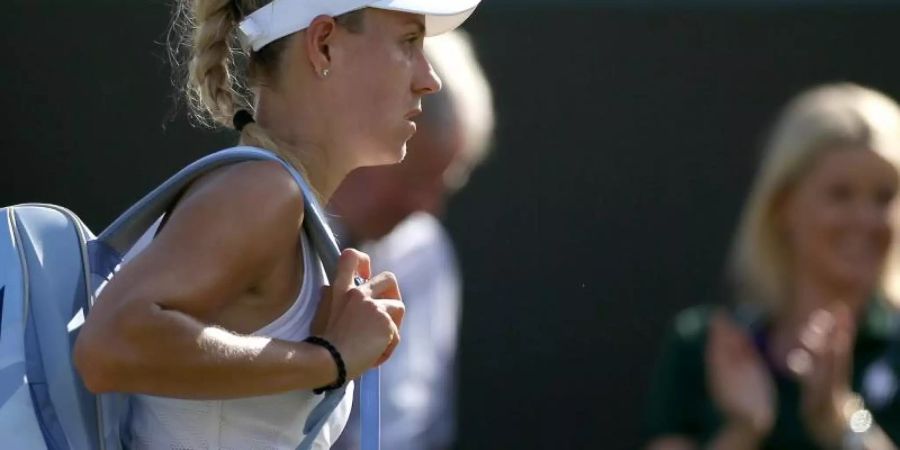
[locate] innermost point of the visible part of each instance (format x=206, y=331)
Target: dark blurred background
x=628, y=132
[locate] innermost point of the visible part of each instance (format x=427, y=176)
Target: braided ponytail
x=208, y=62
x=211, y=84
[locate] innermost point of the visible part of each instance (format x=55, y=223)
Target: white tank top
x=271, y=422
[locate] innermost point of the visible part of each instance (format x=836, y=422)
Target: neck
x=301, y=133
x=808, y=296
x=346, y=214
x=323, y=174
x=811, y=293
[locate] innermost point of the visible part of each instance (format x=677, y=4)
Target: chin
x=395, y=154
x=385, y=155
x=857, y=279
x=395, y=148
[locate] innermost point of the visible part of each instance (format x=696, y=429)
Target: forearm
x=169, y=353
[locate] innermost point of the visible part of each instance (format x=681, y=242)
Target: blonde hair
x=822, y=119
x=213, y=70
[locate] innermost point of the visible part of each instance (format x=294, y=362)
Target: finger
x=844, y=319
x=720, y=342
x=364, y=269
x=395, y=342
x=799, y=362
x=813, y=363
x=389, y=351
x=824, y=362
x=833, y=364
x=714, y=341
x=349, y=263
x=383, y=285
x=816, y=335
x=720, y=326
x=822, y=321
x=845, y=329
x=810, y=364
x=736, y=344
x=394, y=309
x=842, y=360
x=824, y=324
x=816, y=332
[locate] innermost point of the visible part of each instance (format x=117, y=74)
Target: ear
x=318, y=37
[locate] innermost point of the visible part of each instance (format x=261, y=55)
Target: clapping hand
x=823, y=365
x=739, y=381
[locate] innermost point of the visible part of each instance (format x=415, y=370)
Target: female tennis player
x=208, y=324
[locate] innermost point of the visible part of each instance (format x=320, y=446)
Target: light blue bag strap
x=121, y=235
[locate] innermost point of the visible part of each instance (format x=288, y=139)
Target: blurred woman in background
x=808, y=357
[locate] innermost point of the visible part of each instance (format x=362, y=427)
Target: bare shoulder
x=261, y=186
x=255, y=196
x=238, y=219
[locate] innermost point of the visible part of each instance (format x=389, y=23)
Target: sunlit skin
x=836, y=223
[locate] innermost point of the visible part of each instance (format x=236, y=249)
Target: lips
x=413, y=113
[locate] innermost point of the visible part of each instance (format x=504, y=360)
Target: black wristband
x=338, y=361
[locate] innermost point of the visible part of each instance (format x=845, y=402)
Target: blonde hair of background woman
x=822, y=119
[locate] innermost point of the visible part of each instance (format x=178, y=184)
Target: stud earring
x=324, y=73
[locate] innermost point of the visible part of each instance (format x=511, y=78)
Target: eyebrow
x=418, y=22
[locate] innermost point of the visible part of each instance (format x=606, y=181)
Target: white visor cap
x=280, y=18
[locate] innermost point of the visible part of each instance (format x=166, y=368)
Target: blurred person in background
x=808, y=356
x=391, y=213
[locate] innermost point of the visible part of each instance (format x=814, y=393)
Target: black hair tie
x=241, y=118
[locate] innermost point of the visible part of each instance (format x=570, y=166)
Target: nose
x=426, y=81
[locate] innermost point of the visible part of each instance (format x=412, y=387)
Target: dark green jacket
x=678, y=402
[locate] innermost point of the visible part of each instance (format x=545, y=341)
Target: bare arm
x=147, y=331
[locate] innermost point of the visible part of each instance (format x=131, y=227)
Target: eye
x=413, y=40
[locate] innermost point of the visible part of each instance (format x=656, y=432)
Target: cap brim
x=440, y=17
